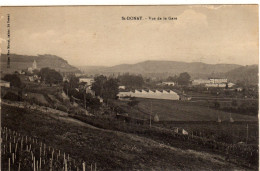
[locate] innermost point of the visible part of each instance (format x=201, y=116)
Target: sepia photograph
x=151, y=87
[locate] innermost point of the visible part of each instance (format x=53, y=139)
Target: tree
x=13, y=79
x=92, y=103
x=73, y=81
x=110, y=89
x=106, y=88
x=70, y=86
x=173, y=78
x=131, y=80
x=184, y=79
x=98, y=85
x=50, y=76
x=12, y=96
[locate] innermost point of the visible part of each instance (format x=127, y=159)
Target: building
x=239, y=89
x=122, y=87
x=231, y=85
x=87, y=81
x=218, y=80
x=34, y=67
x=213, y=82
x=221, y=85
x=34, y=78
x=152, y=94
x=4, y=84
x=169, y=83
x=89, y=91
x=200, y=82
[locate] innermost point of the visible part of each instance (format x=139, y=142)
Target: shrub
x=12, y=96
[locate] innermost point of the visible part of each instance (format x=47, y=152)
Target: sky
x=97, y=35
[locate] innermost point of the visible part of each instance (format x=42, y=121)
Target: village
x=89, y=94
x=132, y=103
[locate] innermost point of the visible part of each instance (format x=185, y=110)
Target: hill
x=244, y=74
x=19, y=62
x=91, y=69
x=166, y=68
x=172, y=67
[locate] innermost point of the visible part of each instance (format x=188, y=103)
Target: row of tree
x=131, y=80
x=182, y=79
x=107, y=88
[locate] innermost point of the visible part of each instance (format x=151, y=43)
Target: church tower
x=34, y=65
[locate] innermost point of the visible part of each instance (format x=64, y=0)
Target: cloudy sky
x=98, y=36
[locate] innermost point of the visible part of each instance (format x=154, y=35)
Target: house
x=88, y=90
x=218, y=80
x=231, y=85
x=169, y=83
x=87, y=81
x=4, y=84
x=200, y=82
x=239, y=89
x=185, y=98
x=222, y=85
x=21, y=72
x=34, y=78
x=121, y=87
x=31, y=79
x=65, y=78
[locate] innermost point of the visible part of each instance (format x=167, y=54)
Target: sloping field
x=38, y=97
x=169, y=110
x=111, y=150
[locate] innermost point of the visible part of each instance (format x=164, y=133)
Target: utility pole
x=151, y=115
x=246, y=133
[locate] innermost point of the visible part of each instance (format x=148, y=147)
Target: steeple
x=34, y=65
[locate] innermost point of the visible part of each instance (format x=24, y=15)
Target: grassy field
x=169, y=110
x=111, y=150
x=231, y=133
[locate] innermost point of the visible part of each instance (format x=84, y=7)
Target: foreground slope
x=111, y=150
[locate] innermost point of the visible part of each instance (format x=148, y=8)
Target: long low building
x=152, y=94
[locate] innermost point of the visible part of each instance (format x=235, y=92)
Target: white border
x=120, y=2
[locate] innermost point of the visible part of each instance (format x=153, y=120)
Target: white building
x=122, y=87
x=231, y=85
x=222, y=85
x=200, y=81
x=169, y=83
x=218, y=80
x=171, y=95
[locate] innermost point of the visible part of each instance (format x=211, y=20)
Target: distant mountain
x=19, y=62
x=244, y=74
x=165, y=68
x=172, y=67
x=91, y=69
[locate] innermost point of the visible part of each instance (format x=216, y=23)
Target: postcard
x=153, y=87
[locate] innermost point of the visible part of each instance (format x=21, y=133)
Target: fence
x=28, y=153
